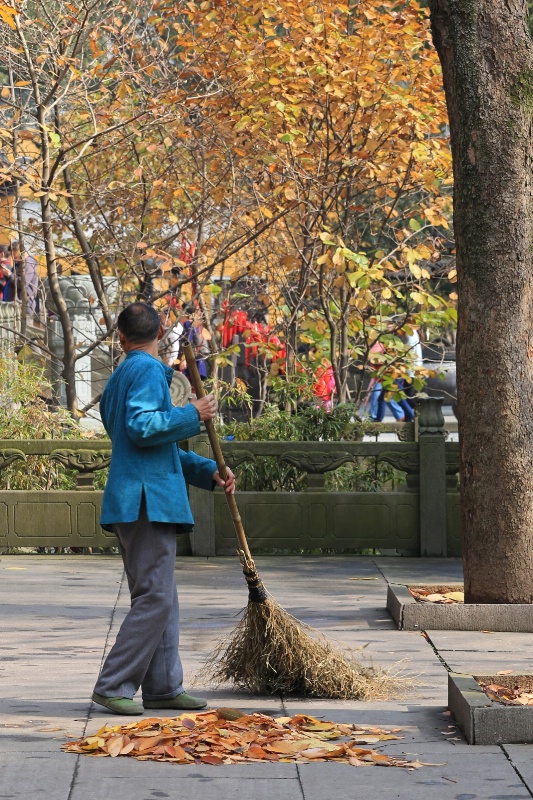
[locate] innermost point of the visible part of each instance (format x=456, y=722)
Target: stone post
x=431, y=438
x=84, y=311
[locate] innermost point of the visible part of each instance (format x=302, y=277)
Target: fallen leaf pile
x=424, y=594
x=508, y=696
x=227, y=736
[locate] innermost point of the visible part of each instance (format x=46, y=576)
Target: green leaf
x=243, y=123
x=452, y=313
x=414, y=224
x=215, y=289
x=286, y=138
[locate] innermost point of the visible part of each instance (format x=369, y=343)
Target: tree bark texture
x=486, y=54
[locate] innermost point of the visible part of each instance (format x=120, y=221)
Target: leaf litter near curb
x=441, y=595
x=507, y=695
x=228, y=736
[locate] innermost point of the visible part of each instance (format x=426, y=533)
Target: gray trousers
x=145, y=652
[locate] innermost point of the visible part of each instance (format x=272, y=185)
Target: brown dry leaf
x=359, y=751
x=418, y=764
x=229, y=713
x=256, y=752
x=210, y=738
x=314, y=752
x=381, y=760
x=505, y=672
x=302, y=719
x=115, y=745
x=345, y=730
x=284, y=747
x=175, y=751
x=148, y=744
x=325, y=736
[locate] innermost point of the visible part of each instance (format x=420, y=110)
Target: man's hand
x=206, y=407
x=229, y=483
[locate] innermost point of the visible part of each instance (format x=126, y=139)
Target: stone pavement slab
x=59, y=616
x=478, y=653
x=427, y=570
x=493, y=778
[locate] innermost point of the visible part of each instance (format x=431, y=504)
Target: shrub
x=310, y=424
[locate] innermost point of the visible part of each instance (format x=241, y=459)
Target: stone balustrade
x=420, y=518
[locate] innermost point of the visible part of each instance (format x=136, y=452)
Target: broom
x=271, y=651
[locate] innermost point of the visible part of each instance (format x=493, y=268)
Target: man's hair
x=14, y=246
x=139, y=323
x=4, y=250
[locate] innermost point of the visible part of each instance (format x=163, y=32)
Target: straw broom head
x=270, y=651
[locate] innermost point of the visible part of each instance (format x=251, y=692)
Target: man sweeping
x=145, y=504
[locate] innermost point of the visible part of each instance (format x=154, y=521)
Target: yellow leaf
x=459, y=597
x=7, y=13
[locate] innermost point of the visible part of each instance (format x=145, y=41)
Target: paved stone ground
x=60, y=614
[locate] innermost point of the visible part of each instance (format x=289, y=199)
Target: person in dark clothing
x=5, y=271
x=32, y=279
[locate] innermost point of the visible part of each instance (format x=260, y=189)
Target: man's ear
x=161, y=332
x=122, y=340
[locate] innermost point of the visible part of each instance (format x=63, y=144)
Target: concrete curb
x=412, y=616
x=484, y=721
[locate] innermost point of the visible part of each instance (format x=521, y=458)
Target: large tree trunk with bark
x=487, y=59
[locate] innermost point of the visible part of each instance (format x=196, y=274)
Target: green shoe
x=183, y=702
x=119, y=705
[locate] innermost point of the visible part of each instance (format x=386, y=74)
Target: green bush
x=24, y=414
x=310, y=424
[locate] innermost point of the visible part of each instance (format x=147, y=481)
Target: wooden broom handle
x=217, y=450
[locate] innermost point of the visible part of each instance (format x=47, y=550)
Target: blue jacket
x=144, y=427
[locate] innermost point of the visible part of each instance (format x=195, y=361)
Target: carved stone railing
x=56, y=518
x=421, y=517
x=84, y=456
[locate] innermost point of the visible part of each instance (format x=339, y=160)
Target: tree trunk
x=69, y=356
x=487, y=59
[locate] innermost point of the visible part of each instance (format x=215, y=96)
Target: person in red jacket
x=324, y=379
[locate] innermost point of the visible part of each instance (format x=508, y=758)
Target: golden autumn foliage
x=277, y=138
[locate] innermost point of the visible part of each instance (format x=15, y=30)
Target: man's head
x=14, y=248
x=138, y=324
